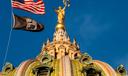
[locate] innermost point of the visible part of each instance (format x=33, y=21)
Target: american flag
x=30, y=6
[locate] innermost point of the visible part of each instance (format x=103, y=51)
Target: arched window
x=75, y=56
x=56, y=54
x=42, y=71
x=92, y=72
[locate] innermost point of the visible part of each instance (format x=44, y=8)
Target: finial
x=78, y=46
x=48, y=40
x=68, y=38
x=43, y=45
x=60, y=14
x=74, y=41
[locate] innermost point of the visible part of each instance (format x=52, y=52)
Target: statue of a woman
x=61, y=13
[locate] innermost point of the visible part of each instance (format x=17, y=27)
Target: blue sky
x=100, y=28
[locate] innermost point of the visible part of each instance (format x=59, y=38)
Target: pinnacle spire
x=48, y=40
x=74, y=41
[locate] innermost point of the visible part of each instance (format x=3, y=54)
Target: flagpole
x=9, y=38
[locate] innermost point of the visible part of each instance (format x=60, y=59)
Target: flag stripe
x=23, y=5
x=35, y=10
x=31, y=6
x=34, y=7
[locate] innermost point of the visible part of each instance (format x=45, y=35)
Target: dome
x=61, y=57
x=64, y=66
x=26, y=68
x=106, y=68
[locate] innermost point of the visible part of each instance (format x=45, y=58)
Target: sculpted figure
x=61, y=13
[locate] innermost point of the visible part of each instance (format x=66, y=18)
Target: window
x=92, y=72
x=42, y=71
x=75, y=56
x=56, y=55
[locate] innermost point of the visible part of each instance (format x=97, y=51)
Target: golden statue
x=61, y=13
